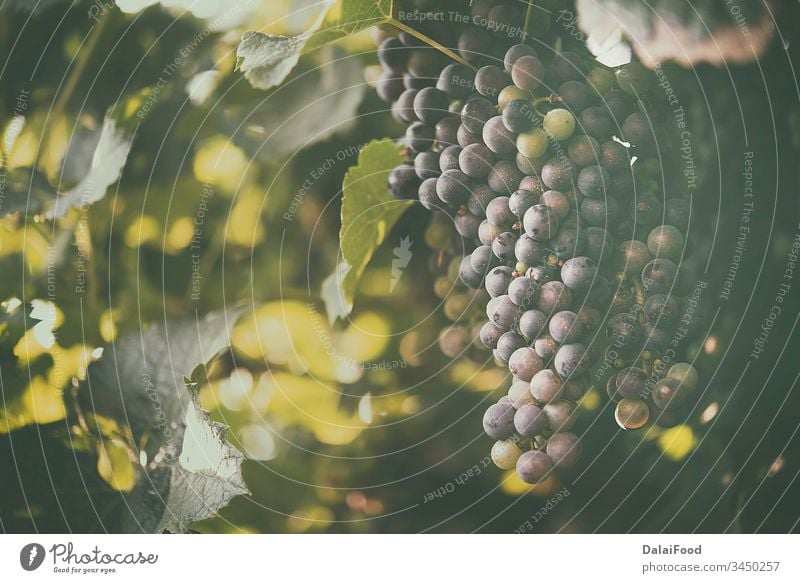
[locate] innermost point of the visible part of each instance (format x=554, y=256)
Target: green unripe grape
x=559, y=124
x=632, y=413
x=601, y=80
x=438, y=236
x=685, y=374
x=632, y=256
x=455, y=306
x=665, y=241
x=533, y=144
x=505, y=454
x=509, y=94
x=442, y=286
x=453, y=268
x=635, y=79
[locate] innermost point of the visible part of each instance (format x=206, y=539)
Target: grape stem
x=428, y=40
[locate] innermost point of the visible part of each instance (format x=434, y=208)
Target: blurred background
x=231, y=196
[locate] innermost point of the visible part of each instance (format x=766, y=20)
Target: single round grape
x=614, y=156
x=576, y=96
x=503, y=246
x=509, y=94
x=659, y=275
x=529, y=420
x=546, y=386
x=570, y=241
x=685, y=374
x=564, y=449
x=487, y=232
x=594, y=181
x=508, y=343
x=476, y=112
x=656, y=337
x=669, y=393
x=559, y=124
x=466, y=138
x=454, y=340
x=665, y=241
x=427, y=195
x=498, y=137
x=498, y=280
x=534, y=466
x=504, y=177
x=505, y=454
x=389, y=86
x=631, y=382
x=520, y=201
x=446, y=132
x=599, y=212
x=456, y=80
x=517, y=52
x=392, y=54
x=520, y=394
x=498, y=213
x=540, y=222
x=661, y=309
x=556, y=202
x=572, y=360
x=532, y=323
x=631, y=413
x=559, y=174
x=646, y=211
x=601, y=80
x=455, y=306
x=405, y=106
x=677, y=212
x=476, y=161
x=565, y=328
x=468, y=275
x=596, y=122
x=569, y=66
x=473, y=44
x=635, y=79
x=637, y=130
x=599, y=244
x=482, y=259
x=425, y=63
x=625, y=332
x=448, y=158
x=479, y=199
x=426, y=165
x=453, y=187
x=505, y=313
x=560, y=415
x=533, y=143
x=527, y=72
x=498, y=421
x=490, y=334
x=490, y=80
x=533, y=184
x=554, y=296
x=546, y=347
x=524, y=363
x=442, y=286
x=519, y=115
x=467, y=225
x=632, y=256
x=523, y=292
x=431, y=105
x=578, y=273
x=404, y=182
x=575, y=389
x=529, y=251
x=584, y=150
x=619, y=104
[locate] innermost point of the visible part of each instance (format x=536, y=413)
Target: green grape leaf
x=141, y=383
x=684, y=32
x=267, y=59
x=352, y=16
x=368, y=214
x=310, y=107
x=24, y=190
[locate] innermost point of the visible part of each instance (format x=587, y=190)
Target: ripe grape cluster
x=552, y=176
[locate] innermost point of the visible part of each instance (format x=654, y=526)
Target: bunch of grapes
x=550, y=170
